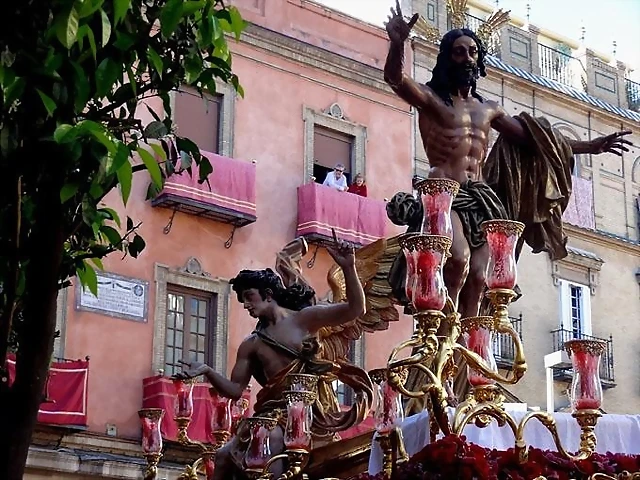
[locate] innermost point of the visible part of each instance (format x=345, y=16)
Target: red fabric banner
x=355, y=219
x=233, y=184
x=66, y=392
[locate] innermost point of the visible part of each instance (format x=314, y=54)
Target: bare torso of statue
x=456, y=137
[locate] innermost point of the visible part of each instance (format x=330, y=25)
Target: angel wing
x=373, y=263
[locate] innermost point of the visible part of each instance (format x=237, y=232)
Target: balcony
x=65, y=395
x=633, y=94
x=561, y=67
x=562, y=372
x=504, y=349
x=355, y=219
x=229, y=197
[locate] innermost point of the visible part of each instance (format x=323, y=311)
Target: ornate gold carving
x=432, y=186
x=590, y=347
x=266, y=422
x=473, y=323
x=500, y=299
x=430, y=33
x=419, y=242
x=458, y=13
x=492, y=25
x=510, y=227
x=151, y=470
x=307, y=381
x=297, y=396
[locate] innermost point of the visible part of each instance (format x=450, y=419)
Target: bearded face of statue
x=463, y=71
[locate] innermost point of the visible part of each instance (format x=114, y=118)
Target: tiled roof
x=585, y=254
x=572, y=92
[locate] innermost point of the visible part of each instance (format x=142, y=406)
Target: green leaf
x=159, y=151
x=156, y=61
x=125, y=177
x=48, y=102
x=67, y=29
x=152, y=166
x=88, y=278
x=68, y=191
x=64, y=133
x=155, y=129
x=106, y=76
x=81, y=84
x=192, y=6
x=111, y=234
x=112, y=215
x=170, y=17
x=98, y=263
x=120, y=8
x=118, y=159
x=136, y=246
x=205, y=169
x=106, y=27
x=237, y=23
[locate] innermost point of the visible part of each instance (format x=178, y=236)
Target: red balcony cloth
x=159, y=392
x=233, y=184
x=66, y=393
x=355, y=219
x=580, y=212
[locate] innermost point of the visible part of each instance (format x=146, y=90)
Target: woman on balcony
x=358, y=186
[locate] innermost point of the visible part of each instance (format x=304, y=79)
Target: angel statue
x=298, y=333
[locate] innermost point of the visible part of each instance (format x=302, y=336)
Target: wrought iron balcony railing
x=561, y=335
x=561, y=67
x=633, y=94
x=503, y=346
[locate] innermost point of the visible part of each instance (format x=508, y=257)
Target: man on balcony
x=336, y=179
x=525, y=177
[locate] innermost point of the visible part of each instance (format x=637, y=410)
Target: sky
x=604, y=21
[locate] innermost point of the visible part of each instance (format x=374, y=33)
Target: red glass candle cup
x=240, y=409
x=425, y=255
x=259, y=450
x=437, y=196
x=388, y=413
x=184, y=398
x=502, y=237
x=586, y=389
x=479, y=337
x=150, y=420
x=302, y=382
x=220, y=412
x=297, y=433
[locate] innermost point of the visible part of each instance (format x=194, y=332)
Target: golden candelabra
x=439, y=328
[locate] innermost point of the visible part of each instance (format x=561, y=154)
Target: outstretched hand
x=613, y=143
x=342, y=252
x=191, y=370
x=397, y=28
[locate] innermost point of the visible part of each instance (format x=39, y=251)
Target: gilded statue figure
x=297, y=332
x=526, y=176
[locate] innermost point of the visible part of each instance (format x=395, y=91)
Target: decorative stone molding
x=191, y=276
x=329, y=119
x=579, y=266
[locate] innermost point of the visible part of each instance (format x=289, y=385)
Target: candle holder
x=183, y=408
x=258, y=454
x=437, y=196
x=502, y=239
x=151, y=420
x=240, y=409
x=221, y=419
x=388, y=416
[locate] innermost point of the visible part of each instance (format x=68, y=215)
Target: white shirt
x=337, y=183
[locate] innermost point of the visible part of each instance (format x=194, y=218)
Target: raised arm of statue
x=406, y=88
x=240, y=375
x=613, y=143
x=320, y=316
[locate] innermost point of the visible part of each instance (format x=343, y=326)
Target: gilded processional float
x=297, y=410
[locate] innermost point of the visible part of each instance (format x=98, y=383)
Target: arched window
x=569, y=132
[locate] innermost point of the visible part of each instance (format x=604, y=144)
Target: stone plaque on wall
x=118, y=296
x=606, y=82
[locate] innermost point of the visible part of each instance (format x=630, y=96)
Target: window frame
x=210, y=321
x=192, y=277
x=566, y=320
x=226, y=117
x=333, y=119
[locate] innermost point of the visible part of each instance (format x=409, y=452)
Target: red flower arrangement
x=453, y=458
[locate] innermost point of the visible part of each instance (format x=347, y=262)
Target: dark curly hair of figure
x=440, y=81
x=296, y=297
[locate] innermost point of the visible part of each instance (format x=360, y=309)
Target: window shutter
x=331, y=147
x=198, y=118
x=586, y=310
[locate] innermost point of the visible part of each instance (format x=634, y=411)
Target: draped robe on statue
x=533, y=183
x=328, y=419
